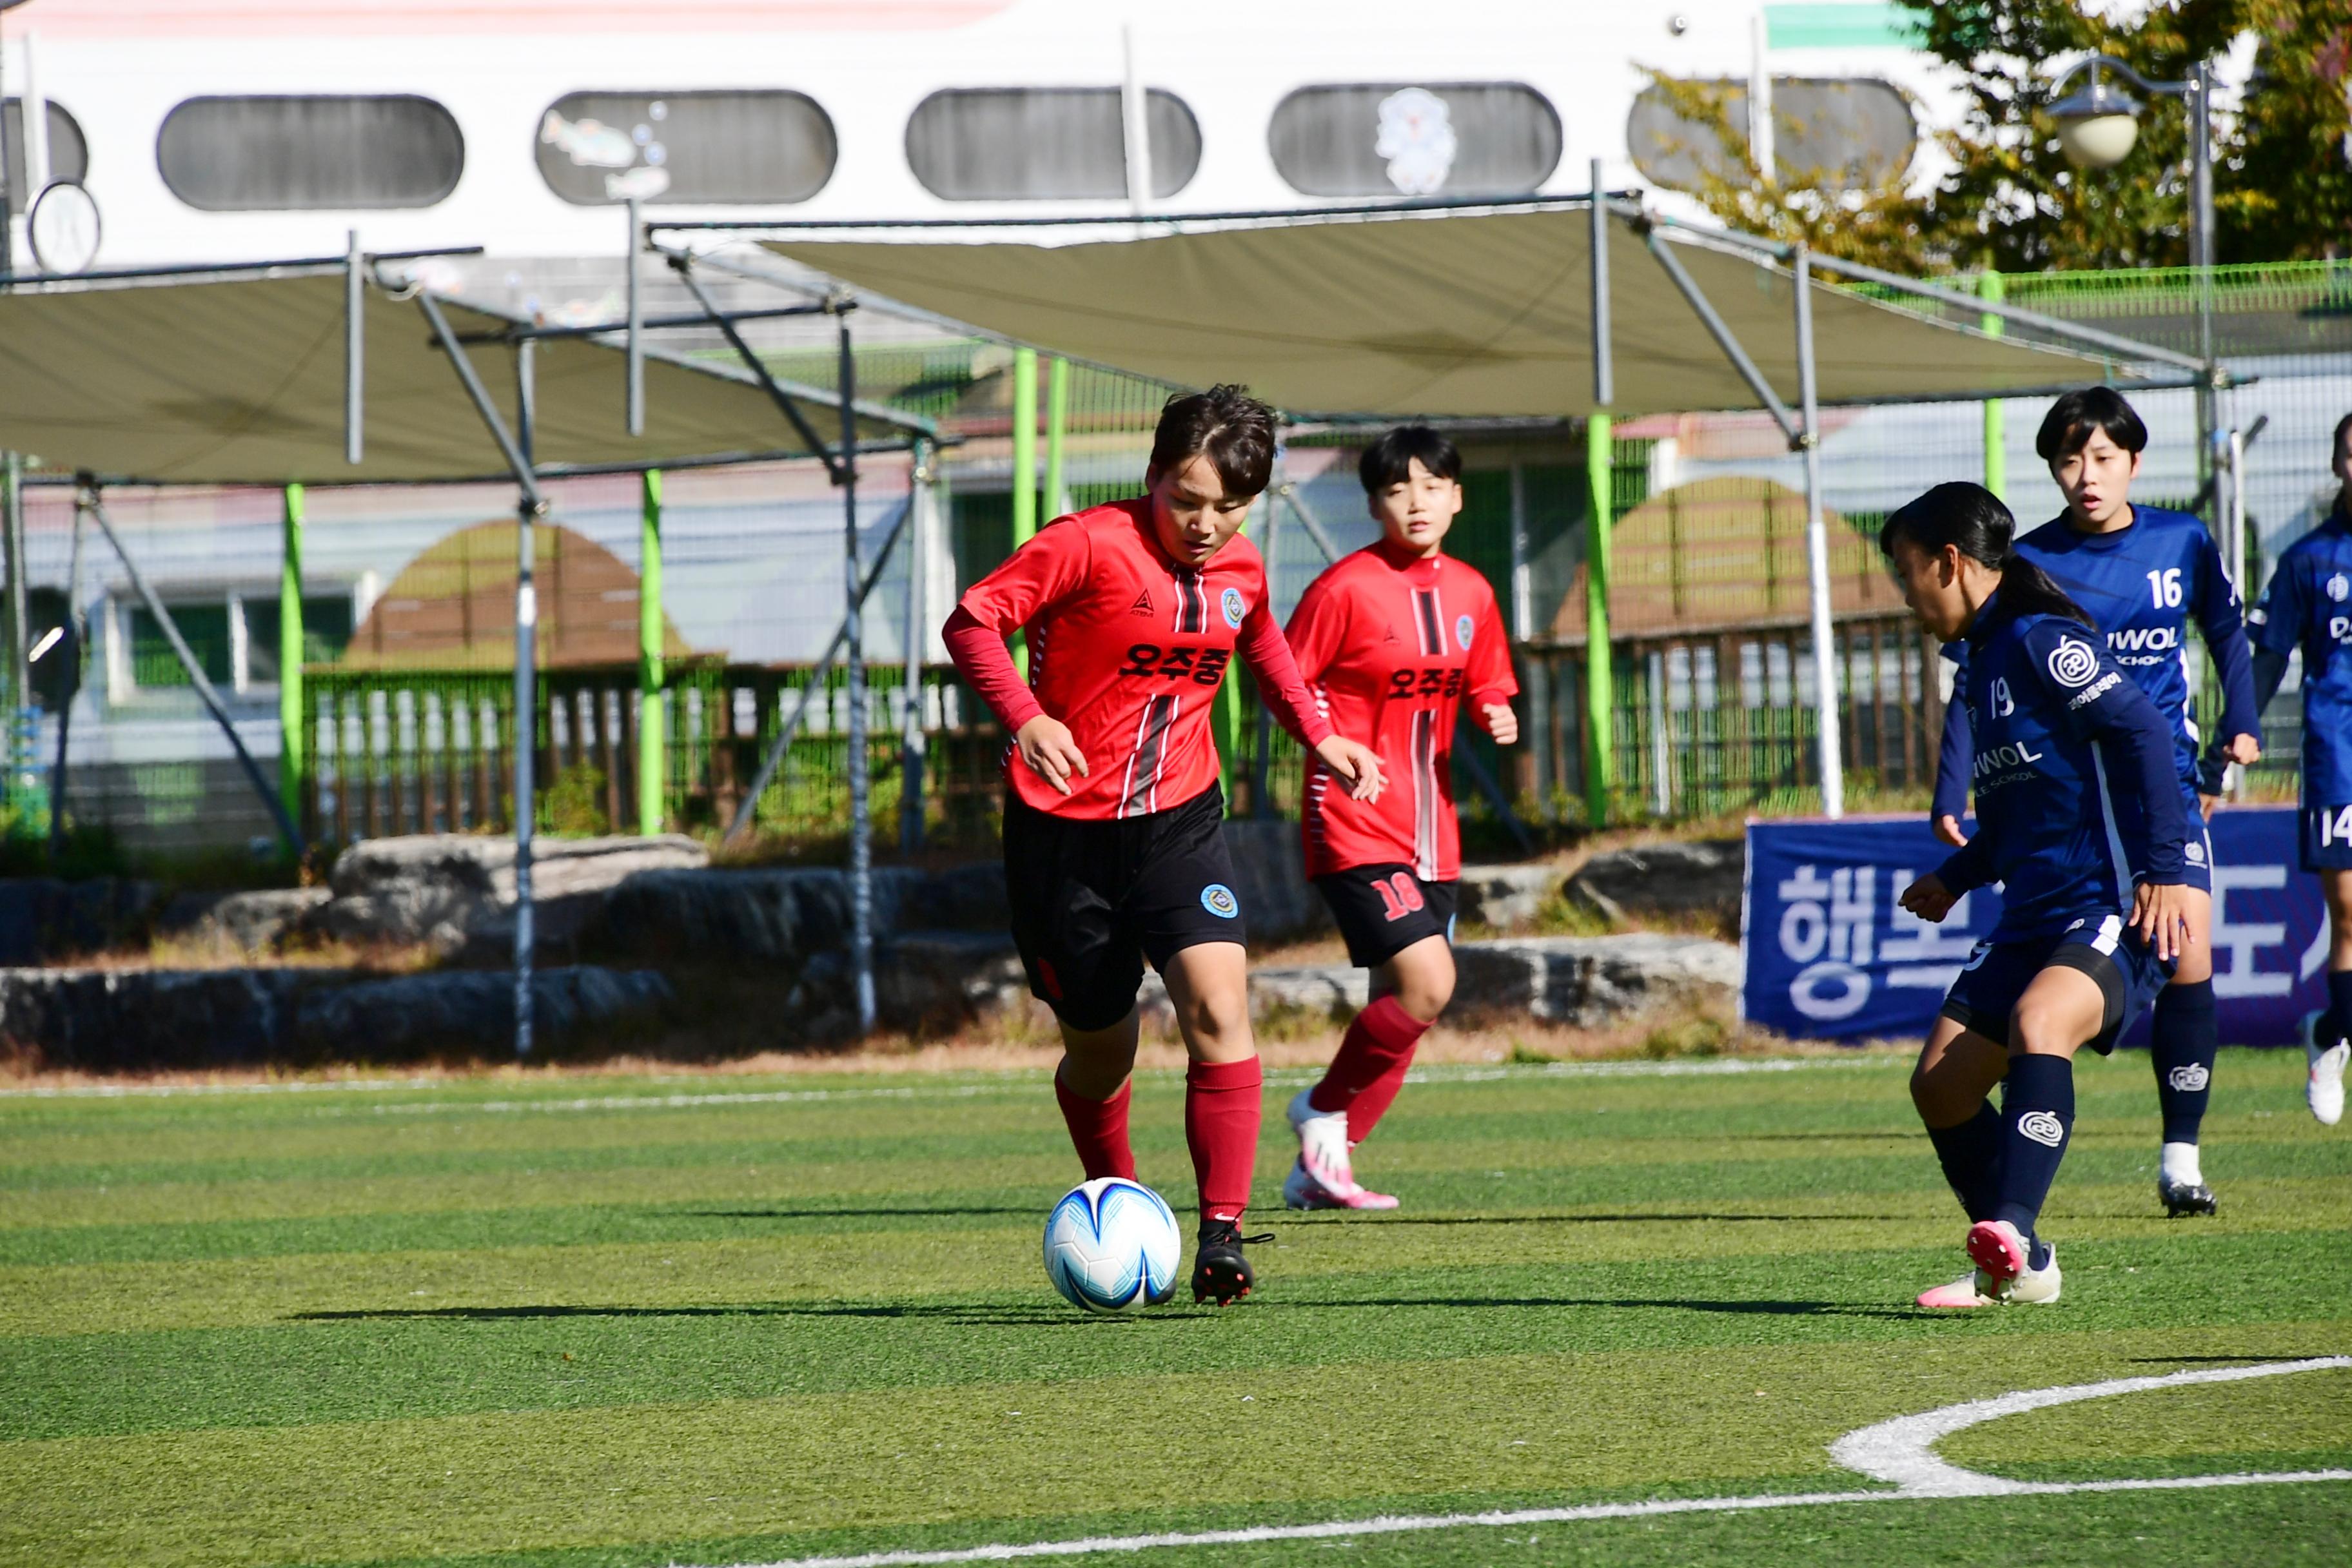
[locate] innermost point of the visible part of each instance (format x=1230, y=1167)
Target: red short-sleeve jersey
x=1127, y=649
x=1390, y=643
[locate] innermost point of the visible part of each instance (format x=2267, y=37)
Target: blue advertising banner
x=1830, y=955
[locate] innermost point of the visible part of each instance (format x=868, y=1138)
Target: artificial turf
x=631, y=1322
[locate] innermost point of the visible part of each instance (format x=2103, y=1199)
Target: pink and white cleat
x=1994, y=1246
x=1302, y=1190
x=1976, y=1290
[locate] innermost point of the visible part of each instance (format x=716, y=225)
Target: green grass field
x=719, y=1319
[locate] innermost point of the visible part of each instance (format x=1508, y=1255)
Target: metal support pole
x=1817, y=550
x=1308, y=519
x=1261, y=737
x=20, y=668
x=861, y=847
x=293, y=720
x=790, y=726
x=1051, y=504
x=354, y=352
x=784, y=401
x=652, y=737
x=1724, y=338
x=532, y=509
x=205, y=692
x=528, y=509
x=633, y=399
x=7, y=187
x=2199, y=104
x=918, y=632
x=76, y=639
x=1024, y=469
x=1996, y=413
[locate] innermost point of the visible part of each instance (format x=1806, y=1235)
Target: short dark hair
x=1388, y=460
x=2074, y=418
x=1235, y=430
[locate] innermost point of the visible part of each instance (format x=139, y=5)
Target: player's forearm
x=1967, y=869
x=2242, y=708
x=1952, y=759
x=1279, y=684
x=981, y=658
x=2266, y=672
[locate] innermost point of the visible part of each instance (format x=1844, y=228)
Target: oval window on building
x=1837, y=133
x=710, y=148
x=68, y=149
x=1046, y=144
x=297, y=154
x=1457, y=138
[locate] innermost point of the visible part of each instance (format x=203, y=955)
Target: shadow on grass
x=1053, y=1315
x=943, y=1213
x=1381, y=1220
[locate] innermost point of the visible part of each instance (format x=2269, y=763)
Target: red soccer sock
x=1364, y=1077
x=1098, y=1131
x=1221, y=1108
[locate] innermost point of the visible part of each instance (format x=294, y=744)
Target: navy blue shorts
x=1997, y=973
x=2327, y=838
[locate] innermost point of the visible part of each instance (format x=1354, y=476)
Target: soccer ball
x=1110, y=1243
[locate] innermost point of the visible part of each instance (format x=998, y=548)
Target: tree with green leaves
x=2282, y=158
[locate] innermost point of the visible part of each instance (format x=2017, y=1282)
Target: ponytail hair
x=1971, y=520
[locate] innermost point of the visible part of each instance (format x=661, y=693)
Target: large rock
x=257, y=919
x=95, y=1020
x=455, y=892
x=1700, y=876
x=778, y=916
x=1583, y=981
x=44, y=919
x=1508, y=897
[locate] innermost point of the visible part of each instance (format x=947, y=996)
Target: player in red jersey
x=1114, y=849
x=1390, y=640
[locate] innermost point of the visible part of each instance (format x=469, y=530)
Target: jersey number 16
x=2164, y=588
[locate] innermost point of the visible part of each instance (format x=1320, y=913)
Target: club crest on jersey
x=1234, y=607
x=2072, y=663
x=2339, y=586
x=2193, y=852
x=1219, y=901
x=1463, y=627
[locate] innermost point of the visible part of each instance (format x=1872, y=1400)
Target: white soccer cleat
x=2323, y=1090
x=1973, y=1289
x=1322, y=1145
x=1302, y=1191
x=2032, y=1288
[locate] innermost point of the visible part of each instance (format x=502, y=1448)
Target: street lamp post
x=2098, y=125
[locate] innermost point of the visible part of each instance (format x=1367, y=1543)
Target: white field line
x=1008, y=1082
x=1896, y=1450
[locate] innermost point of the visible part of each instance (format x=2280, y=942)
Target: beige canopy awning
x=241, y=380
x=1484, y=313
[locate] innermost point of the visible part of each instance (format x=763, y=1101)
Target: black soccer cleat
x=1219, y=1268
x=2184, y=1197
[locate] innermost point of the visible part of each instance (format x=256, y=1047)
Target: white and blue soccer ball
x=1112, y=1244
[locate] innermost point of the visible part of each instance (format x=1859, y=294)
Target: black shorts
x=1997, y=973
x=1383, y=910
x=1092, y=899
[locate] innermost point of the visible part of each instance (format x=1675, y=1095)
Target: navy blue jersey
x=2143, y=584
x=2308, y=605
x=2077, y=796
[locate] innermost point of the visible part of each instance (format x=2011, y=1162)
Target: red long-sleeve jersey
x=1127, y=649
x=1390, y=643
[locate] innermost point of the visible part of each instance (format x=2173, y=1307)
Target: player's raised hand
x=1358, y=764
x=2160, y=915
x=1947, y=828
x=1045, y=746
x=1929, y=898
x=1502, y=723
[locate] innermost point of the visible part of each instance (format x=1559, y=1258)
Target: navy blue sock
x=1971, y=1155
x=2184, y=1046
x=2340, y=1001
x=2037, y=1111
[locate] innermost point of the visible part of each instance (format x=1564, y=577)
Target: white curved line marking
x=1893, y=1450
x=1900, y=1450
